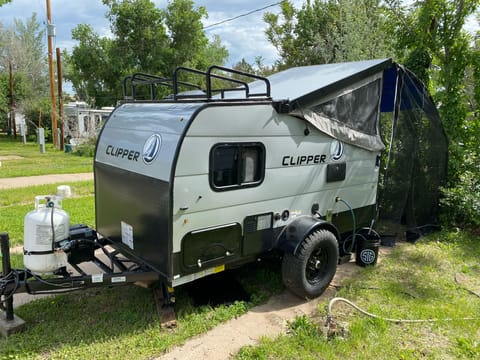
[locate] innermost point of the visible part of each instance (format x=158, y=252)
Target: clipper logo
x=151, y=148
x=303, y=160
x=336, y=150
x=122, y=153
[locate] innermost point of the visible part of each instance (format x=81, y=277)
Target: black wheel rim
x=316, y=266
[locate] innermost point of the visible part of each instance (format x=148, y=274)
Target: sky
x=243, y=37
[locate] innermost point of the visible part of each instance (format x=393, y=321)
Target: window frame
x=240, y=164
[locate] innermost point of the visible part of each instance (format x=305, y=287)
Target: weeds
x=414, y=282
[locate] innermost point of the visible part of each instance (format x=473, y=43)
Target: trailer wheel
x=308, y=272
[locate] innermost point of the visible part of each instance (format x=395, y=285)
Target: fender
x=294, y=233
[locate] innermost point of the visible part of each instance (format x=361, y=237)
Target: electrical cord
x=12, y=275
x=356, y=307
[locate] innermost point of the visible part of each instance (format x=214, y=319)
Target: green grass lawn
x=121, y=323
x=31, y=161
x=414, y=282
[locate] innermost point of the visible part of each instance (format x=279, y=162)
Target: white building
x=82, y=122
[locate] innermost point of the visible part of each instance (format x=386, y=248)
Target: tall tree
x=431, y=41
x=91, y=71
x=187, y=37
x=281, y=33
x=328, y=31
x=139, y=34
x=145, y=39
x=475, y=103
x=22, y=45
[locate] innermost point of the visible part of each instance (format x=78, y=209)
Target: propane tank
x=43, y=228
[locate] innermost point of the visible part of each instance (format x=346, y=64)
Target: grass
x=16, y=196
x=121, y=322
x=16, y=203
x=32, y=162
x=414, y=282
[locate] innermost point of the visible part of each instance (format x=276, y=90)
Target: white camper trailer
x=201, y=182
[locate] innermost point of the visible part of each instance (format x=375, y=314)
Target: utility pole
x=51, y=34
x=60, y=98
x=12, y=102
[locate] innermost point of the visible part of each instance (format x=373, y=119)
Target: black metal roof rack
x=212, y=91
x=147, y=79
x=237, y=72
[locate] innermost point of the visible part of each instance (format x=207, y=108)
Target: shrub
x=86, y=149
x=461, y=203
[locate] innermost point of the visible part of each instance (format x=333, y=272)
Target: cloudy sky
x=244, y=37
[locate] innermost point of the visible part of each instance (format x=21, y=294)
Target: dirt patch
x=269, y=319
x=11, y=157
x=24, y=181
x=469, y=282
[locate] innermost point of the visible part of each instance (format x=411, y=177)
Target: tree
x=214, y=53
x=139, y=35
x=328, y=31
x=475, y=77
x=90, y=66
x=22, y=45
x=257, y=68
x=432, y=42
x=3, y=2
x=187, y=37
x=145, y=39
x=282, y=34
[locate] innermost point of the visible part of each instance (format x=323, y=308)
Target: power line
x=242, y=15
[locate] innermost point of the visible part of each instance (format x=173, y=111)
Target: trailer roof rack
x=214, y=90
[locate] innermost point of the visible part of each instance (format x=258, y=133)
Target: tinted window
x=236, y=165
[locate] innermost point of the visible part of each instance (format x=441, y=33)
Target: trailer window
x=236, y=165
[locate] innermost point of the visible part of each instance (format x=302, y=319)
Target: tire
x=309, y=272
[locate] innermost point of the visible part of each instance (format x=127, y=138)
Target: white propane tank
x=39, y=256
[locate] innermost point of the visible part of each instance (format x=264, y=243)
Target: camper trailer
x=202, y=182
